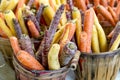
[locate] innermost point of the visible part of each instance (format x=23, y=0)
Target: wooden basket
x=24, y=74
x=103, y=66
x=6, y=49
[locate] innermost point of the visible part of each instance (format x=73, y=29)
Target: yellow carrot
x=9, y=15
x=95, y=41
x=4, y=27
x=76, y=15
x=21, y=21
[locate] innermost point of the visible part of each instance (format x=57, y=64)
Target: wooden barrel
x=103, y=66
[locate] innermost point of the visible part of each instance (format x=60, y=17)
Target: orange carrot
x=28, y=61
x=88, y=24
x=34, y=32
x=87, y=2
x=67, y=35
x=111, y=3
x=83, y=42
x=110, y=34
x=106, y=14
x=118, y=9
x=103, y=2
x=36, y=3
x=64, y=38
x=100, y=17
x=1, y=15
x=2, y=34
x=20, y=4
x=52, y=5
x=15, y=44
x=113, y=14
x=72, y=30
x=81, y=4
x=96, y=2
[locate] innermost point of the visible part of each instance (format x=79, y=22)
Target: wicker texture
x=6, y=49
x=104, y=66
x=23, y=74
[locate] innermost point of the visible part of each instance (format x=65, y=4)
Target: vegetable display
x=62, y=27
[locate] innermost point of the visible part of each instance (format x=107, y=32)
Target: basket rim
x=102, y=54
x=47, y=72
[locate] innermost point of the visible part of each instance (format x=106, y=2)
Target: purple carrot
x=67, y=53
x=70, y=3
x=68, y=15
x=30, y=2
x=49, y=34
x=26, y=44
x=115, y=34
x=29, y=15
x=17, y=28
x=39, y=12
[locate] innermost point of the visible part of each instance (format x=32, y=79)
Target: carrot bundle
x=106, y=14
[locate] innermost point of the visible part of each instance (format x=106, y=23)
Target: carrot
x=72, y=30
x=113, y=14
x=118, y=8
x=111, y=34
x=83, y=41
x=64, y=38
x=103, y=2
x=96, y=2
x=1, y=15
x=15, y=44
x=111, y=3
x=34, y=32
x=52, y=4
x=2, y=34
x=88, y=25
x=19, y=5
x=100, y=17
x=106, y=14
x=28, y=61
x=36, y=3
x=81, y=5
x=87, y=2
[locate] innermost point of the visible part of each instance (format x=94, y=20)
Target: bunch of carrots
x=62, y=26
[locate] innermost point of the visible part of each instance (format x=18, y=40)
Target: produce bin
x=103, y=66
x=6, y=49
x=100, y=66
x=60, y=74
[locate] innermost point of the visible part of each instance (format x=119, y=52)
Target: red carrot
x=28, y=61
x=15, y=44
x=34, y=32
x=113, y=14
x=105, y=13
x=88, y=24
x=83, y=42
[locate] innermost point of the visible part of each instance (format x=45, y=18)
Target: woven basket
x=24, y=74
x=104, y=66
x=6, y=49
